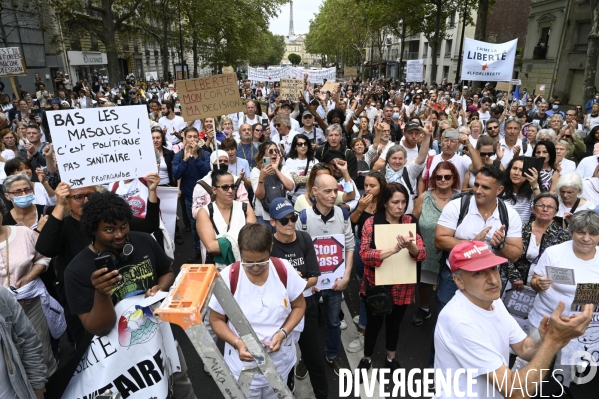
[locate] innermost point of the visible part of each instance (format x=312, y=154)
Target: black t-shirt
x=306, y=264
x=140, y=273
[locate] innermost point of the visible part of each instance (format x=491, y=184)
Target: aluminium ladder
x=186, y=305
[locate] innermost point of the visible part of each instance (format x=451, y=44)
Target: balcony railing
x=410, y=55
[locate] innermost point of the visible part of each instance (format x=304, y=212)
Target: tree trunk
x=481, y=21
x=194, y=45
x=592, y=55
x=435, y=44
x=401, y=49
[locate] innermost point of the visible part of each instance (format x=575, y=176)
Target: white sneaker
x=356, y=345
x=343, y=325
x=357, y=319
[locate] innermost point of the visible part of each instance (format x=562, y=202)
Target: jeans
x=196, y=237
x=311, y=347
x=445, y=291
x=359, y=267
x=332, y=302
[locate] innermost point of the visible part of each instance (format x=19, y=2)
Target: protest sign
x=519, y=304
x=414, y=70
x=503, y=86
x=560, y=275
x=151, y=76
x=102, y=145
x=516, y=82
x=350, y=72
x=168, y=207
x=492, y=62
x=588, y=342
x=329, y=86
x=330, y=253
x=11, y=62
x=265, y=75
x=211, y=96
x=136, y=358
x=540, y=89
x=291, y=89
x=228, y=69
x=399, y=268
x=585, y=293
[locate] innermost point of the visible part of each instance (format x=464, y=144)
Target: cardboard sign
x=291, y=89
x=211, y=96
x=540, y=89
x=11, y=62
x=503, y=86
x=330, y=253
x=350, y=72
x=585, y=294
x=414, y=70
x=560, y=275
x=136, y=358
x=329, y=86
x=399, y=268
x=101, y=145
x=228, y=69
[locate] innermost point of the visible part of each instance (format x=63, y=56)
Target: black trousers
x=374, y=325
x=312, y=349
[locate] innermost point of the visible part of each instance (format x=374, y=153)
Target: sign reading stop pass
x=330, y=253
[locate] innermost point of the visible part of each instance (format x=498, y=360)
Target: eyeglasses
x=259, y=264
x=272, y=151
x=80, y=197
x=226, y=187
x=443, y=177
x=302, y=144
x=487, y=154
x=285, y=221
x=543, y=206
x=528, y=101
x=18, y=193
x=492, y=127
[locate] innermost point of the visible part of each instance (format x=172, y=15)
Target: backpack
x=464, y=205
x=273, y=188
x=303, y=217
x=208, y=188
x=234, y=273
x=244, y=207
x=406, y=179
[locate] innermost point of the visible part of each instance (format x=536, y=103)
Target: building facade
x=296, y=44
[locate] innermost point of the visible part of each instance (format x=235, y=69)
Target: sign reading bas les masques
x=209, y=97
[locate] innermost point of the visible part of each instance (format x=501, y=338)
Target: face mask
x=555, y=107
x=356, y=121
x=396, y=115
x=24, y=201
x=227, y=131
x=221, y=166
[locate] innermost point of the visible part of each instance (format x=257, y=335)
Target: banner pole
x=14, y=87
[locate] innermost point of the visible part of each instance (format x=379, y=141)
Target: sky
x=303, y=12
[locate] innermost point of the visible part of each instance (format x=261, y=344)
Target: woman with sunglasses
x=549, y=174
x=416, y=108
x=520, y=188
x=269, y=164
x=221, y=220
x=258, y=134
x=299, y=162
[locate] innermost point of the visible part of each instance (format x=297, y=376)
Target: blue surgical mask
x=24, y=201
x=395, y=115
x=555, y=107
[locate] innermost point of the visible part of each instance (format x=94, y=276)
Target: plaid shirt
x=402, y=294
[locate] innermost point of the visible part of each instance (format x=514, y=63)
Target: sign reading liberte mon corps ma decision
x=102, y=145
x=211, y=96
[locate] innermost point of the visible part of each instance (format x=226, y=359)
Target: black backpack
x=273, y=188
x=464, y=205
x=208, y=188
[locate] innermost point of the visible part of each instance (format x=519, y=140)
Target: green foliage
x=294, y=58
x=270, y=50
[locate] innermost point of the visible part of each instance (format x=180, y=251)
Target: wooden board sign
x=291, y=89
x=399, y=268
x=211, y=96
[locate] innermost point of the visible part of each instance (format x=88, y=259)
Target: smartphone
x=34, y=112
x=265, y=161
x=532, y=162
x=264, y=125
x=452, y=135
x=105, y=261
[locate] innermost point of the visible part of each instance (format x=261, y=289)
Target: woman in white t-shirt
x=299, y=162
x=273, y=307
x=569, y=188
x=580, y=255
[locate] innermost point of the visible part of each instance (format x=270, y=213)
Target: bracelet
x=260, y=181
x=535, y=188
x=235, y=343
x=37, y=231
x=284, y=332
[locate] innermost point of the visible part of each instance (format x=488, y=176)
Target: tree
x=270, y=51
x=590, y=70
x=294, y=58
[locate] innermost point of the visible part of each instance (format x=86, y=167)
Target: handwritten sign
x=330, y=253
x=228, y=69
x=329, y=86
x=210, y=96
x=399, y=268
x=560, y=275
x=503, y=86
x=540, y=89
x=414, y=70
x=102, y=145
x=136, y=358
x=585, y=293
x=291, y=89
x=350, y=72
x=11, y=62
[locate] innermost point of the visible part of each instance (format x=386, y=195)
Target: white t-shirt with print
x=135, y=193
x=266, y=308
x=470, y=337
x=561, y=255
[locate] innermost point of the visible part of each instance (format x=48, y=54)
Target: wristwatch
x=500, y=246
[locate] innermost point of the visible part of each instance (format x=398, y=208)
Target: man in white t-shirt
x=586, y=167
x=171, y=124
x=511, y=142
x=483, y=113
x=285, y=134
x=476, y=332
x=412, y=136
x=250, y=116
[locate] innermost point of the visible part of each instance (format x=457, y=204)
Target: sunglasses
x=18, y=193
x=302, y=144
x=226, y=187
x=487, y=154
x=80, y=197
x=528, y=101
x=259, y=264
x=272, y=151
x=277, y=125
x=492, y=127
x=285, y=221
x=443, y=177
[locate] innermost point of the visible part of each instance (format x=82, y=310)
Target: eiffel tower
x=291, y=32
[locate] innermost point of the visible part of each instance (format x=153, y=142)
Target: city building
x=296, y=44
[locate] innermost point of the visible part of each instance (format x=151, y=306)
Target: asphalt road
x=412, y=351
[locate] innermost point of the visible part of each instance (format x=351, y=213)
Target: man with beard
x=171, y=124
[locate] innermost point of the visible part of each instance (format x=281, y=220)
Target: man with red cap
x=475, y=331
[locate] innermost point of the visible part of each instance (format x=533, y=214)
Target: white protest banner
x=291, y=89
x=151, y=75
x=136, y=358
x=11, y=62
x=414, y=70
x=265, y=75
x=102, y=145
x=210, y=96
x=330, y=252
x=168, y=207
x=492, y=62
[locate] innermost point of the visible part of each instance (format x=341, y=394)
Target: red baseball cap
x=473, y=256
